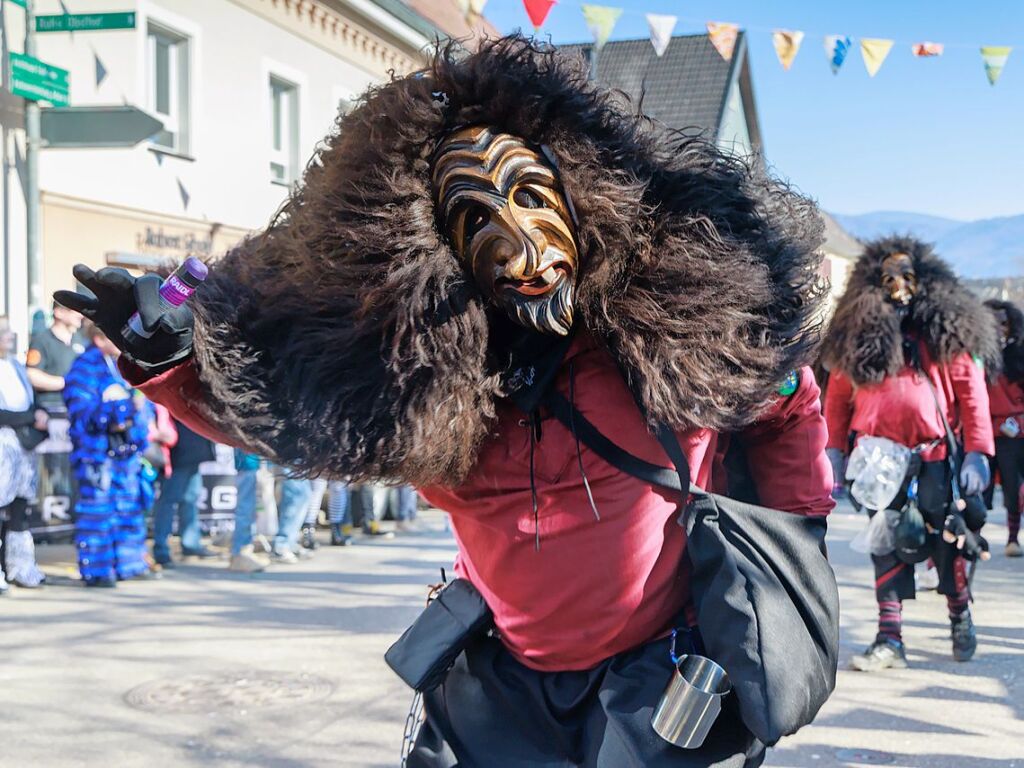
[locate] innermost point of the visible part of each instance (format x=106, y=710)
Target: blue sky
x=924, y=135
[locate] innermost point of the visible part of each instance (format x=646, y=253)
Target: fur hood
x=1013, y=352
x=347, y=340
x=864, y=340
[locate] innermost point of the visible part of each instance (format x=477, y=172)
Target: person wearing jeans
x=180, y=493
x=243, y=557
x=291, y=512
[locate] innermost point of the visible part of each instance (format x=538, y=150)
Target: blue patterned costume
x=109, y=437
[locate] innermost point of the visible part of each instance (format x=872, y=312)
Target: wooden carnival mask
x=899, y=278
x=502, y=207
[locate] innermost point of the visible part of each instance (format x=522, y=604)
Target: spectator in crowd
x=291, y=513
x=369, y=501
x=22, y=427
x=316, y=499
x=404, y=500
x=180, y=493
x=163, y=436
x=108, y=432
x=339, y=513
x=243, y=555
x=50, y=355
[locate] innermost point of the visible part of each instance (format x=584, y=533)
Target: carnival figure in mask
x=470, y=241
x=906, y=350
x=1006, y=399
x=108, y=431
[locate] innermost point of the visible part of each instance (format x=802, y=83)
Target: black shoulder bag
x=766, y=597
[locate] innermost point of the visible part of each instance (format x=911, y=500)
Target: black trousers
x=14, y=518
x=493, y=712
x=1010, y=458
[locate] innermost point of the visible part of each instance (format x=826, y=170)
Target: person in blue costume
x=108, y=431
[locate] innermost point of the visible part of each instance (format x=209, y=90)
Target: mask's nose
x=520, y=251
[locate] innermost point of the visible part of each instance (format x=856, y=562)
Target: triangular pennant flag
x=661, y=31
x=723, y=37
x=471, y=8
x=185, y=196
x=874, y=51
x=600, y=21
x=101, y=71
x=538, y=11
x=787, y=44
x=995, y=57
x=925, y=50
x=836, y=48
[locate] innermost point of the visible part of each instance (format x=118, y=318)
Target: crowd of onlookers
x=132, y=465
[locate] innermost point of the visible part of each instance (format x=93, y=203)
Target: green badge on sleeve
x=791, y=384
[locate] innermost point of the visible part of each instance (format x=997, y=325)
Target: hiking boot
x=246, y=562
x=965, y=639
x=308, y=540
x=884, y=653
x=1013, y=549
x=341, y=535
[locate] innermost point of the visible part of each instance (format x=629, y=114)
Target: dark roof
x=839, y=241
x=684, y=88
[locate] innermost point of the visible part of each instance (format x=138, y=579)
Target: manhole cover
x=864, y=756
x=229, y=692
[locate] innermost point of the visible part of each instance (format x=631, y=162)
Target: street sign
x=104, y=126
x=85, y=22
x=38, y=81
x=19, y=2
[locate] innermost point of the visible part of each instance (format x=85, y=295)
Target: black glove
x=118, y=297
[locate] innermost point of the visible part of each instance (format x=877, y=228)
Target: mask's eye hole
x=908, y=276
x=527, y=198
x=477, y=217
x=887, y=279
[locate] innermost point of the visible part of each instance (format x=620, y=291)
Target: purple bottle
x=175, y=291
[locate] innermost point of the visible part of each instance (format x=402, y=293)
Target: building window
x=168, y=75
x=284, y=131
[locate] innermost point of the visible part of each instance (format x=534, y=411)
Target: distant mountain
x=866, y=226
x=976, y=249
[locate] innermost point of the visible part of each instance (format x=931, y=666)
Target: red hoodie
x=902, y=407
x=1006, y=401
x=595, y=588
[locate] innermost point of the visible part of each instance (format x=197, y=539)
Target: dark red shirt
x=1006, y=401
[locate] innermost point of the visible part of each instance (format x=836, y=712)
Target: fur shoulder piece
x=347, y=340
x=865, y=337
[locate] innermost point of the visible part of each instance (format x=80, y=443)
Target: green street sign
x=19, y=2
x=38, y=81
x=85, y=22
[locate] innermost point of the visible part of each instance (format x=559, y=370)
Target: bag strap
x=952, y=445
x=578, y=424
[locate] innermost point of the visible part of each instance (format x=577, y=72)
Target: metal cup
x=691, y=702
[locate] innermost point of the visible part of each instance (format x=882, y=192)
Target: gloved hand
x=974, y=474
x=118, y=296
x=838, y=461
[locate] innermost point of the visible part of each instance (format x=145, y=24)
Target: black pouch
x=426, y=651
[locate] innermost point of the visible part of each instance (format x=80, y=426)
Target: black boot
x=309, y=536
x=341, y=535
x=965, y=639
x=884, y=653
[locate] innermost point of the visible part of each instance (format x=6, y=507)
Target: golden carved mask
x=899, y=278
x=503, y=208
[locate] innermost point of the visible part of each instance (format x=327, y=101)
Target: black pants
x=894, y=579
x=493, y=712
x=1010, y=458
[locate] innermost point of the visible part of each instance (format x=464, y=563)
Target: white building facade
x=245, y=90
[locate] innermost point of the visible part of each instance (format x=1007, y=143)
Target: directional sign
x=85, y=22
x=19, y=2
x=38, y=81
x=113, y=126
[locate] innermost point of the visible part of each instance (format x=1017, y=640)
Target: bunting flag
x=787, y=44
x=472, y=8
x=836, y=48
x=661, y=31
x=101, y=71
x=538, y=11
x=723, y=37
x=874, y=51
x=600, y=21
x=995, y=57
x=926, y=50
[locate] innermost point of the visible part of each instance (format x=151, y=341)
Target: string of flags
x=601, y=21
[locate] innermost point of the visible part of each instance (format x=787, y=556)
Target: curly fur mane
x=1013, y=352
x=865, y=337
x=347, y=339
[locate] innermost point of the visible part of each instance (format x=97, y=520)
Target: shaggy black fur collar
x=866, y=334
x=347, y=340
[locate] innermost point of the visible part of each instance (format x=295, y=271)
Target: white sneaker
x=283, y=557
x=927, y=579
x=261, y=544
x=246, y=562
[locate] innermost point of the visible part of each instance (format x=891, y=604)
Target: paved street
x=285, y=669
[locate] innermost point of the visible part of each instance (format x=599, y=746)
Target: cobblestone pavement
x=284, y=669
